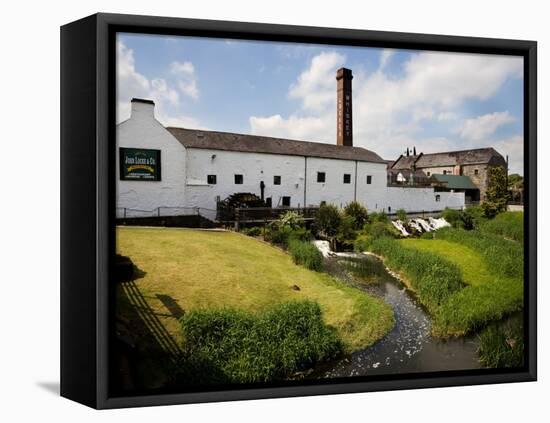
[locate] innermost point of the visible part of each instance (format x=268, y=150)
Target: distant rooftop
x=455, y=181
x=451, y=158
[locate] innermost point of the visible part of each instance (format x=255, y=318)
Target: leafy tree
x=328, y=220
x=358, y=213
x=496, y=196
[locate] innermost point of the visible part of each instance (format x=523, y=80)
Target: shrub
x=290, y=219
x=362, y=243
x=380, y=229
x=453, y=217
x=328, y=219
x=346, y=230
x=253, y=231
x=379, y=217
x=306, y=254
x=231, y=346
x=401, y=215
x=358, y=213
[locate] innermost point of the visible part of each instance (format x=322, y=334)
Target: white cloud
x=481, y=127
x=389, y=111
x=385, y=57
x=187, y=82
x=513, y=148
x=315, y=86
x=165, y=94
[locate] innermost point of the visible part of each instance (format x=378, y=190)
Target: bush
x=358, y=213
x=290, y=219
x=380, y=229
x=496, y=196
x=453, y=217
x=401, y=215
x=328, y=219
x=253, y=231
x=362, y=243
x=346, y=230
x=231, y=346
x=379, y=217
x=306, y=254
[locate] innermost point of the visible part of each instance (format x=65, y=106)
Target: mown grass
x=465, y=278
x=206, y=269
x=232, y=346
x=508, y=225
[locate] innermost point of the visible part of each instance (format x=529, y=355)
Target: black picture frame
x=87, y=198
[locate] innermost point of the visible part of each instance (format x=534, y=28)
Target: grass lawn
x=194, y=269
x=472, y=266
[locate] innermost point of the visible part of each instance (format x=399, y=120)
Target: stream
x=409, y=346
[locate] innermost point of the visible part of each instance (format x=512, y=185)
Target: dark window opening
x=429, y=173
x=211, y=179
x=438, y=197
x=238, y=179
x=444, y=172
x=268, y=202
x=321, y=176
x=476, y=172
x=286, y=201
x=369, y=179
x=323, y=203
x=276, y=180
x=347, y=178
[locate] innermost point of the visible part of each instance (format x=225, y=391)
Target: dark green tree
x=358, y=213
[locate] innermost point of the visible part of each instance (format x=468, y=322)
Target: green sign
x=139, y=164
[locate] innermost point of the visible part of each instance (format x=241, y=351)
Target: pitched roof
x=193, y=138
x=451, y=158
x=455, y=181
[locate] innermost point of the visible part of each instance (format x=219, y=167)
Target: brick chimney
x=344, y=121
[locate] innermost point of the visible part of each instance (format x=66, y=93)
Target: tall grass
x=455, y=307
x=501, y=345
x=305, y=254
x=231, y=346
x=508, y=224
x=432, y=277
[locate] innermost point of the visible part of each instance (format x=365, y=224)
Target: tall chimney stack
x=344, y=121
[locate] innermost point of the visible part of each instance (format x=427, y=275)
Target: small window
x=323, y=203
x=286, y=201
x=321, y=177
x=476, y=172
x=268, y=202
x=347, y=178
x=444, y=172
x=429, y=174
x=277, y=180
x=238, y=179
x=369, y=179
x=211, y=179
x=438, y=197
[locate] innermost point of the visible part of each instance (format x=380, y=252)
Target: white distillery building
x=172, y=171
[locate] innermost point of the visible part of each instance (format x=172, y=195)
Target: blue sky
x=434, y=101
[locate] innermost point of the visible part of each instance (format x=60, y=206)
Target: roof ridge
x=262, y=136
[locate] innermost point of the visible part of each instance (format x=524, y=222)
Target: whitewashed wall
x=142, y=130
x=184, y=188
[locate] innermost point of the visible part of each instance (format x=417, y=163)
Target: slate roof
x=455, y=181
x=451, y=158
x=194, y=138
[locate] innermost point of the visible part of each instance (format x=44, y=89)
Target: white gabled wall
x=142, y=130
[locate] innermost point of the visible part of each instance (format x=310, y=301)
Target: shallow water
x=409, y=347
